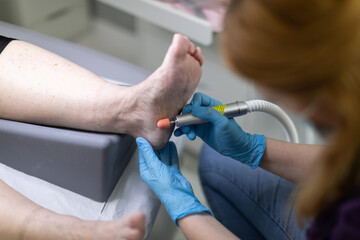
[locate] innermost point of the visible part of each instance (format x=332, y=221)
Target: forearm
x=22, y=219
x=289, y=160
x=41, y=87
x=203, y=226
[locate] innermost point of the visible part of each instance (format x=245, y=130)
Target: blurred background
x=140, y=31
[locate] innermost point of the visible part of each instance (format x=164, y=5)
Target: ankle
x=134, y=112
x=116, y=110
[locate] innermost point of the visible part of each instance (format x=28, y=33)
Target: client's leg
x=253, y=204
x=44, y=88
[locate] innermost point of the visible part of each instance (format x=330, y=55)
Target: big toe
x=179, y=48
x=136, y=223
x=137, y=220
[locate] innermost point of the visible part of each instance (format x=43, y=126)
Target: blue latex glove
x=160, y=171
x=222, y=134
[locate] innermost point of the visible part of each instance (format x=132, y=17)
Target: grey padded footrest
x=83, y=162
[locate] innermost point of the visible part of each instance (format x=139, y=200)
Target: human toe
x=181, y=45
x=192, y=49
x=198, y=56
x=137, y=220
x=136, y=223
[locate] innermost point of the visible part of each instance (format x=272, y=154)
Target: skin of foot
x=165, y=92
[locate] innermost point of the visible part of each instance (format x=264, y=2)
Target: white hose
x=278, y=113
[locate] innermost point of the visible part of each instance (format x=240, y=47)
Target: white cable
x=275, y=111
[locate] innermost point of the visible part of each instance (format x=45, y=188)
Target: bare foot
x=167, y=90
x=131, y=227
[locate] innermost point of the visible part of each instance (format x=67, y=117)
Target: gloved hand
x=160, y=171
x=222, y=134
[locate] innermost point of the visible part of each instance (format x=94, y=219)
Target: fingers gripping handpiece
x=228, y=110
x=236, y=109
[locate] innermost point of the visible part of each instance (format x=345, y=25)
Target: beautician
x=306, y=56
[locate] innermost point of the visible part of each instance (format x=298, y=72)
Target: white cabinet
x=166, y=17
x=60, y=18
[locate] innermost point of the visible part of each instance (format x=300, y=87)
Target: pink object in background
x=212, y=10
